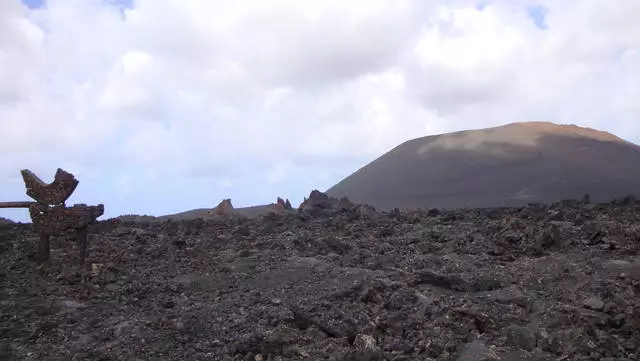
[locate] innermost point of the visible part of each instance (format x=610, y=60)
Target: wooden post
x=16, y=204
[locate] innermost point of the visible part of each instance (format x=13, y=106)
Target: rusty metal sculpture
x=50, y=215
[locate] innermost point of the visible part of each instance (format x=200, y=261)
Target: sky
x=160, y=106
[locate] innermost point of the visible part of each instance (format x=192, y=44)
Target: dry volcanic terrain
x=334, y=281
x=510, y=165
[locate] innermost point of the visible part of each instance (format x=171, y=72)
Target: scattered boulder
x=594, y=303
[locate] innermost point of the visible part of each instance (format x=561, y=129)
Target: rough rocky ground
x=559, y=282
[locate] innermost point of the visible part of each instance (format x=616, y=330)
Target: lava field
x=542, y=282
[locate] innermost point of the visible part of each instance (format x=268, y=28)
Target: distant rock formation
x=224, y=209
x=282, y=205
x=318, y=202
x=321, y=204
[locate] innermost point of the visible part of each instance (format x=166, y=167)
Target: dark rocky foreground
x=558, y=282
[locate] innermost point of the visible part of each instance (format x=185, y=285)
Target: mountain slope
x=251, y=211
x=510, y=165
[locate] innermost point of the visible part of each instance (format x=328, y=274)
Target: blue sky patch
x=538, y=13
x=34, y=4
x=127, y=4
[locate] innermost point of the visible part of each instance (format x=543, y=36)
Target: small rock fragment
x=96, y=268
x=68, y=305
x=365, y=349
x=593, y=303
x=364, y=342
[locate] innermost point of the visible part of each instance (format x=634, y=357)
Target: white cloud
x=201, y=87
x=278, y=173
x=21, y=53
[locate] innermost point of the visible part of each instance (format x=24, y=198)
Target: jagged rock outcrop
x=282, y=205
x=319, y=202
x=223, y=210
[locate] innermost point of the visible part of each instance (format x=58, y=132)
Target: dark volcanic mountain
x=510, y=165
